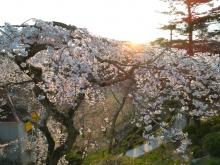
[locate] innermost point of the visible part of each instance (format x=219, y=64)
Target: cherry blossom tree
x=68, y=66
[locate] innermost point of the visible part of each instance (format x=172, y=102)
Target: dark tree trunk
x=197, y=121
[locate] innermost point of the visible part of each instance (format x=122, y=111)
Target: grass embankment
x=95, y=157
x=161, y=156
x=101, y=157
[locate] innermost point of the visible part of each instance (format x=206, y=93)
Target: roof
x=8, y=115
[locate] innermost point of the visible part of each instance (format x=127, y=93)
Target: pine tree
x=191, y=17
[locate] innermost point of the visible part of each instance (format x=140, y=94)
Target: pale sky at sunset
x=133, y=20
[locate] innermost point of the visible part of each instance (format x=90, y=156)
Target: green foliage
x=79, y=152
x=215, y=128
x=213, y=162
x=159, y=157
x=204, y=129
x=136, y=140
x=190, y=129
x=31, y=163
x=215, y=120
x=209, y=161
x=211, y=142
x=74, y=159
x=194, y=139
x=211, y=125
x=153, y=156
x=96, y=156
x=122, y=160
x=197, y=152
x=134, y=129
x=168, y=119
x=162, y=146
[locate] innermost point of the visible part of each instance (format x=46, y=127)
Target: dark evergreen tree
x=191, y=18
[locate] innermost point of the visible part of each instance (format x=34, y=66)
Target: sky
x=128, y=20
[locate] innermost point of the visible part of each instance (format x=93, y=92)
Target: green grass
x=209, y=161
x=162, y=155
x=159, y=156
x=96, y=156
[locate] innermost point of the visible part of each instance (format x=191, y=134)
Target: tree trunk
x=197, y=121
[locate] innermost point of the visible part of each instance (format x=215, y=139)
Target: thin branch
x=104, y=83
x=115, y=96
x=112, y=131
x=115, y=63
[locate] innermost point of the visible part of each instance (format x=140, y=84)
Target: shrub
x=31, y=163
x=197, y=152
x=194, y=139
x=204, y=129
x=122, y=160
x=79, y=152
x=133, y=130
x=215, y=128
x=137, y=139
x=75, y=159
x=215, y=120
x=213, y=162
x=162, y=146
x=190, y=129
x=211, y=142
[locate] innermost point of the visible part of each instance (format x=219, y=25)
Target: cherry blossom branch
x=115, y=96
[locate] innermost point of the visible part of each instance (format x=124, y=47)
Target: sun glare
x=146, y=20
x=126, y=20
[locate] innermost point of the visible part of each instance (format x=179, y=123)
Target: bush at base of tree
x=194, y=139
x=204, y=129
x=197, y=152
x=211, y=142
x=190, y=129
x=215, y=128
x=74, y=159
